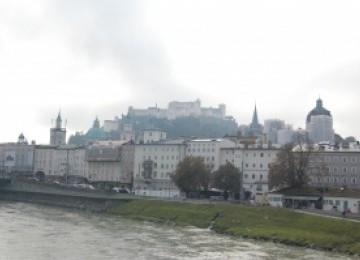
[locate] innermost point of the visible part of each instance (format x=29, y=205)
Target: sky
x=93, y=59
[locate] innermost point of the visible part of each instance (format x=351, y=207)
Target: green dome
x=96, y=132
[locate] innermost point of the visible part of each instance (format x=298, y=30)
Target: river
x=41, y=232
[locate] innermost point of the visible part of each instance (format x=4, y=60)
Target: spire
x=58, y=120
x=255, y=120
x=96, y=123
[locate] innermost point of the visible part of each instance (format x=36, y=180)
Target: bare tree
x=291, y=166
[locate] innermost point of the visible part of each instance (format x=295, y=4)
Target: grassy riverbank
x=275, y=224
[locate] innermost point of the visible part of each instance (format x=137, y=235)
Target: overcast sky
x=96, y=58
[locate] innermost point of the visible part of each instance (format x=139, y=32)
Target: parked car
x=82, y=186
x=120, y=190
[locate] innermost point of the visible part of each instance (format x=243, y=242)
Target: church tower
x=58, y=134
x=319, y=124
x=255, y=127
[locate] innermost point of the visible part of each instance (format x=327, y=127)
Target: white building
x=17, y=158
x=153, y=164
x=209, y=149
x=253, y=162
x=108, y=163
x=63, y=160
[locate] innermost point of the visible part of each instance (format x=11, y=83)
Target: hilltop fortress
x=177, y=109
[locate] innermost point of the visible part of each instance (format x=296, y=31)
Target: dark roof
x=319, y=110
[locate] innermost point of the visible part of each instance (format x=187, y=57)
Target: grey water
x=41, y=232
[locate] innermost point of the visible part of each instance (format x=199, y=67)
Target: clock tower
x=58, y=134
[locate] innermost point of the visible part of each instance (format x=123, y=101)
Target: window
x=253, y=176
x=261, y=154
x=246, y=176
x=261, y=176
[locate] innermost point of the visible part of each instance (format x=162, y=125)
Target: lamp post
x=241, y=190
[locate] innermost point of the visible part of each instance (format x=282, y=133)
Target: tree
x=227, y=178
x=291, y=166
x=192, y=174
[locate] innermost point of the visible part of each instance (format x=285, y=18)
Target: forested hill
x=202, y=127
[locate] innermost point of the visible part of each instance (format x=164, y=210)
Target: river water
x=40, y=232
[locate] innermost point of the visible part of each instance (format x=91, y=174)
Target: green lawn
x=277, y=224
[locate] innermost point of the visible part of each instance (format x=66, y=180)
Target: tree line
x=290, y=169
x=193, y=175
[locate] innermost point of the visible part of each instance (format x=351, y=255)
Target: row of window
x=201, y=144
x=194, y=150
x=338, y=180
x=155, y=174
x=249, y=154
x=335, y=169
x=343, y=159
x=275, y=199
x=333, y=202
x=254, y=165
x=162, y=157
x=163, y=149
x=253, y=176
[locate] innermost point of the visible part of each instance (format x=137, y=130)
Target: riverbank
x=265, y=223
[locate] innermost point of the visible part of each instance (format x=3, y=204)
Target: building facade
x=108, y=164
x=253, y=162
x=17, y=159
x=64, y=161
x=335, y=166
x=153, y=164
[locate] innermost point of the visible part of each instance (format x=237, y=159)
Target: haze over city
x=96, y=58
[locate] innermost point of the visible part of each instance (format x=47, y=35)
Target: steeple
x=255, y=120
x=58, y=121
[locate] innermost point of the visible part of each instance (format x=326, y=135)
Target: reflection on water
x=41, y=232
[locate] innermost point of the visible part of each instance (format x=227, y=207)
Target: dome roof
x=96, y=132
x=319, y=110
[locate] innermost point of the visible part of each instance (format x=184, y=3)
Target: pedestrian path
x=331, y=214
